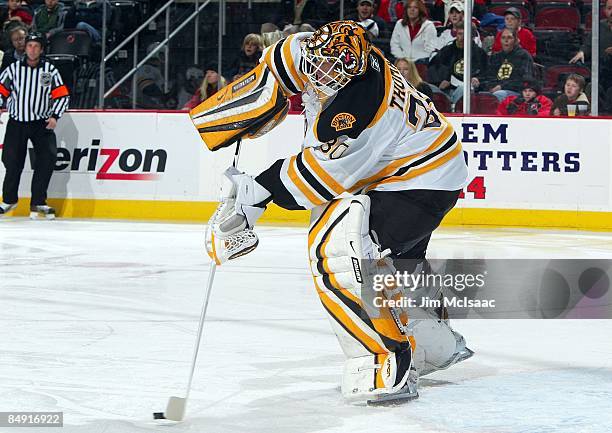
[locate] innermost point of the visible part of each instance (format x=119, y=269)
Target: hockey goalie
x=379, y=169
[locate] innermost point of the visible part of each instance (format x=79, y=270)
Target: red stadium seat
x=553, y=74
x=558, y=17
x=422, y=69
x=480, y=103
x=71, y=42
x=442, y=102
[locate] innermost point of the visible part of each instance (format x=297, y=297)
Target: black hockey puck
x=158, y=415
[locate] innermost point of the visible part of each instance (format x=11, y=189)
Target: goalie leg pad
x=380, y=376
x=339, y=241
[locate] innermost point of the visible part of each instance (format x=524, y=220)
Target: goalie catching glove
x=230, y=230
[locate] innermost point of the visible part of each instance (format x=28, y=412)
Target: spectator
x=291, y=29
x=414, y=36
x=531, y=103
x=210, y=85
x=193, y=77
x=409, y=71
x=365, y=16
x=49, y=18
x=270, y=34
x=150, y=92
x=17, y=36
x=508, y=68
x=313, y=12
x=513, y=20
x=573, y=94
x=446, y=68
x=441, y=9
x=16, y=12
x=252, y=46
x=87, y=15
x=605, y=54
x=455, y=15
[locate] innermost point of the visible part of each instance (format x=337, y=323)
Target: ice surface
x=99, y=319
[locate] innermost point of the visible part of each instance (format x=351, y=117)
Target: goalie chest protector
x=246, y=108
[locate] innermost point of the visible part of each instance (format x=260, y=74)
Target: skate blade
x=393, y=399
x=37, y=216
x=7, y=210
x=175, y=411
x=456, y=359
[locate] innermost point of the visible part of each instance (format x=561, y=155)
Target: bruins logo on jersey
x=458, y=68
x=505, y=71
x=344, y=40
x=342, y=121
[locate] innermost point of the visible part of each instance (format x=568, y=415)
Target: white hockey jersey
x=378, y=133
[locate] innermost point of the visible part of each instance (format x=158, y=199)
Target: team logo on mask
x=45, y=79
x=342, y=121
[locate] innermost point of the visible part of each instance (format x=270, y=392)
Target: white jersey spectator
x=414, y=36
x=455, y=15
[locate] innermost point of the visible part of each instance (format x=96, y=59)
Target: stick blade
x=175, y=410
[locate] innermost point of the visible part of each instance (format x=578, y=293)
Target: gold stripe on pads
x=195, y=211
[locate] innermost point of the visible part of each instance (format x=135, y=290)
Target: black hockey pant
x=404, y=220
x=14, y=155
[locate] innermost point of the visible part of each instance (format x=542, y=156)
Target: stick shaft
x=211, y=278
x=209, y=285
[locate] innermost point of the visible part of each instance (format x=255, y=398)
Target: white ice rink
x=98, y=320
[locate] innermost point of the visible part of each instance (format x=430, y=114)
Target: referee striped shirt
x=33, y=93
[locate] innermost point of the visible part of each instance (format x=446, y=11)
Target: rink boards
x=153, y=166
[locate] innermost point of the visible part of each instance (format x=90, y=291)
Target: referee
x=36, y=98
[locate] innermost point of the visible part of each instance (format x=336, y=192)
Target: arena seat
x=442, y=102
x=480, y=103
x=422, y=69
x=555, y=75
x=555, y=46
x=70, y=42
x=558, y=17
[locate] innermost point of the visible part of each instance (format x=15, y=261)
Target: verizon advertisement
x=546, y=164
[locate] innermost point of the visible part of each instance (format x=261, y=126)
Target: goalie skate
x=407, y=393
x=426, y=365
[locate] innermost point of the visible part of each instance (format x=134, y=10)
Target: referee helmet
x=36, y=37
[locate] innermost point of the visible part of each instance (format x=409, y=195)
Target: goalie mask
x=334, y=54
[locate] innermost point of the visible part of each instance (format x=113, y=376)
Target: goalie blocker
x=247, y=108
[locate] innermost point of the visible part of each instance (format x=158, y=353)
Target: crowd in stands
x=509, y=69
x=522, y=53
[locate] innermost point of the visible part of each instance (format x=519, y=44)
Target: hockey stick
x=175, y=410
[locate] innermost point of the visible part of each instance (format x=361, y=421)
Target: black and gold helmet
x=37, y=37
x=334, y=54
